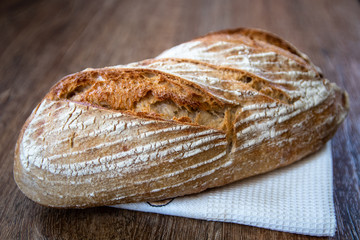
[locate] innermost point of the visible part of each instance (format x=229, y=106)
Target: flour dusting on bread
x=205, y=113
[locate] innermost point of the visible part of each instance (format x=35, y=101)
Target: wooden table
x=41, y=41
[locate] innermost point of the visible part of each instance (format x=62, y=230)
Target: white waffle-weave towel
x=296, y=199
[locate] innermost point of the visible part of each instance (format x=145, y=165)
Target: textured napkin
x=296, y=199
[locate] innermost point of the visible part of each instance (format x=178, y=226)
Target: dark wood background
x=41, y=41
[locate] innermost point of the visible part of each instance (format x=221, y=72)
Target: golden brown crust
x=263, y=40
x=121, y=89
x=220, y=108
x=259, y=35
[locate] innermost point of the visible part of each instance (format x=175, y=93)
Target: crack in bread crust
x=143, y=91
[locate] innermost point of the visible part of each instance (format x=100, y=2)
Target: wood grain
x=42, y=41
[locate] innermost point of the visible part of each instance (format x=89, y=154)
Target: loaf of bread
x=205, y=113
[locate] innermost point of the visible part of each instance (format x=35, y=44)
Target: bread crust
x=220, y=108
